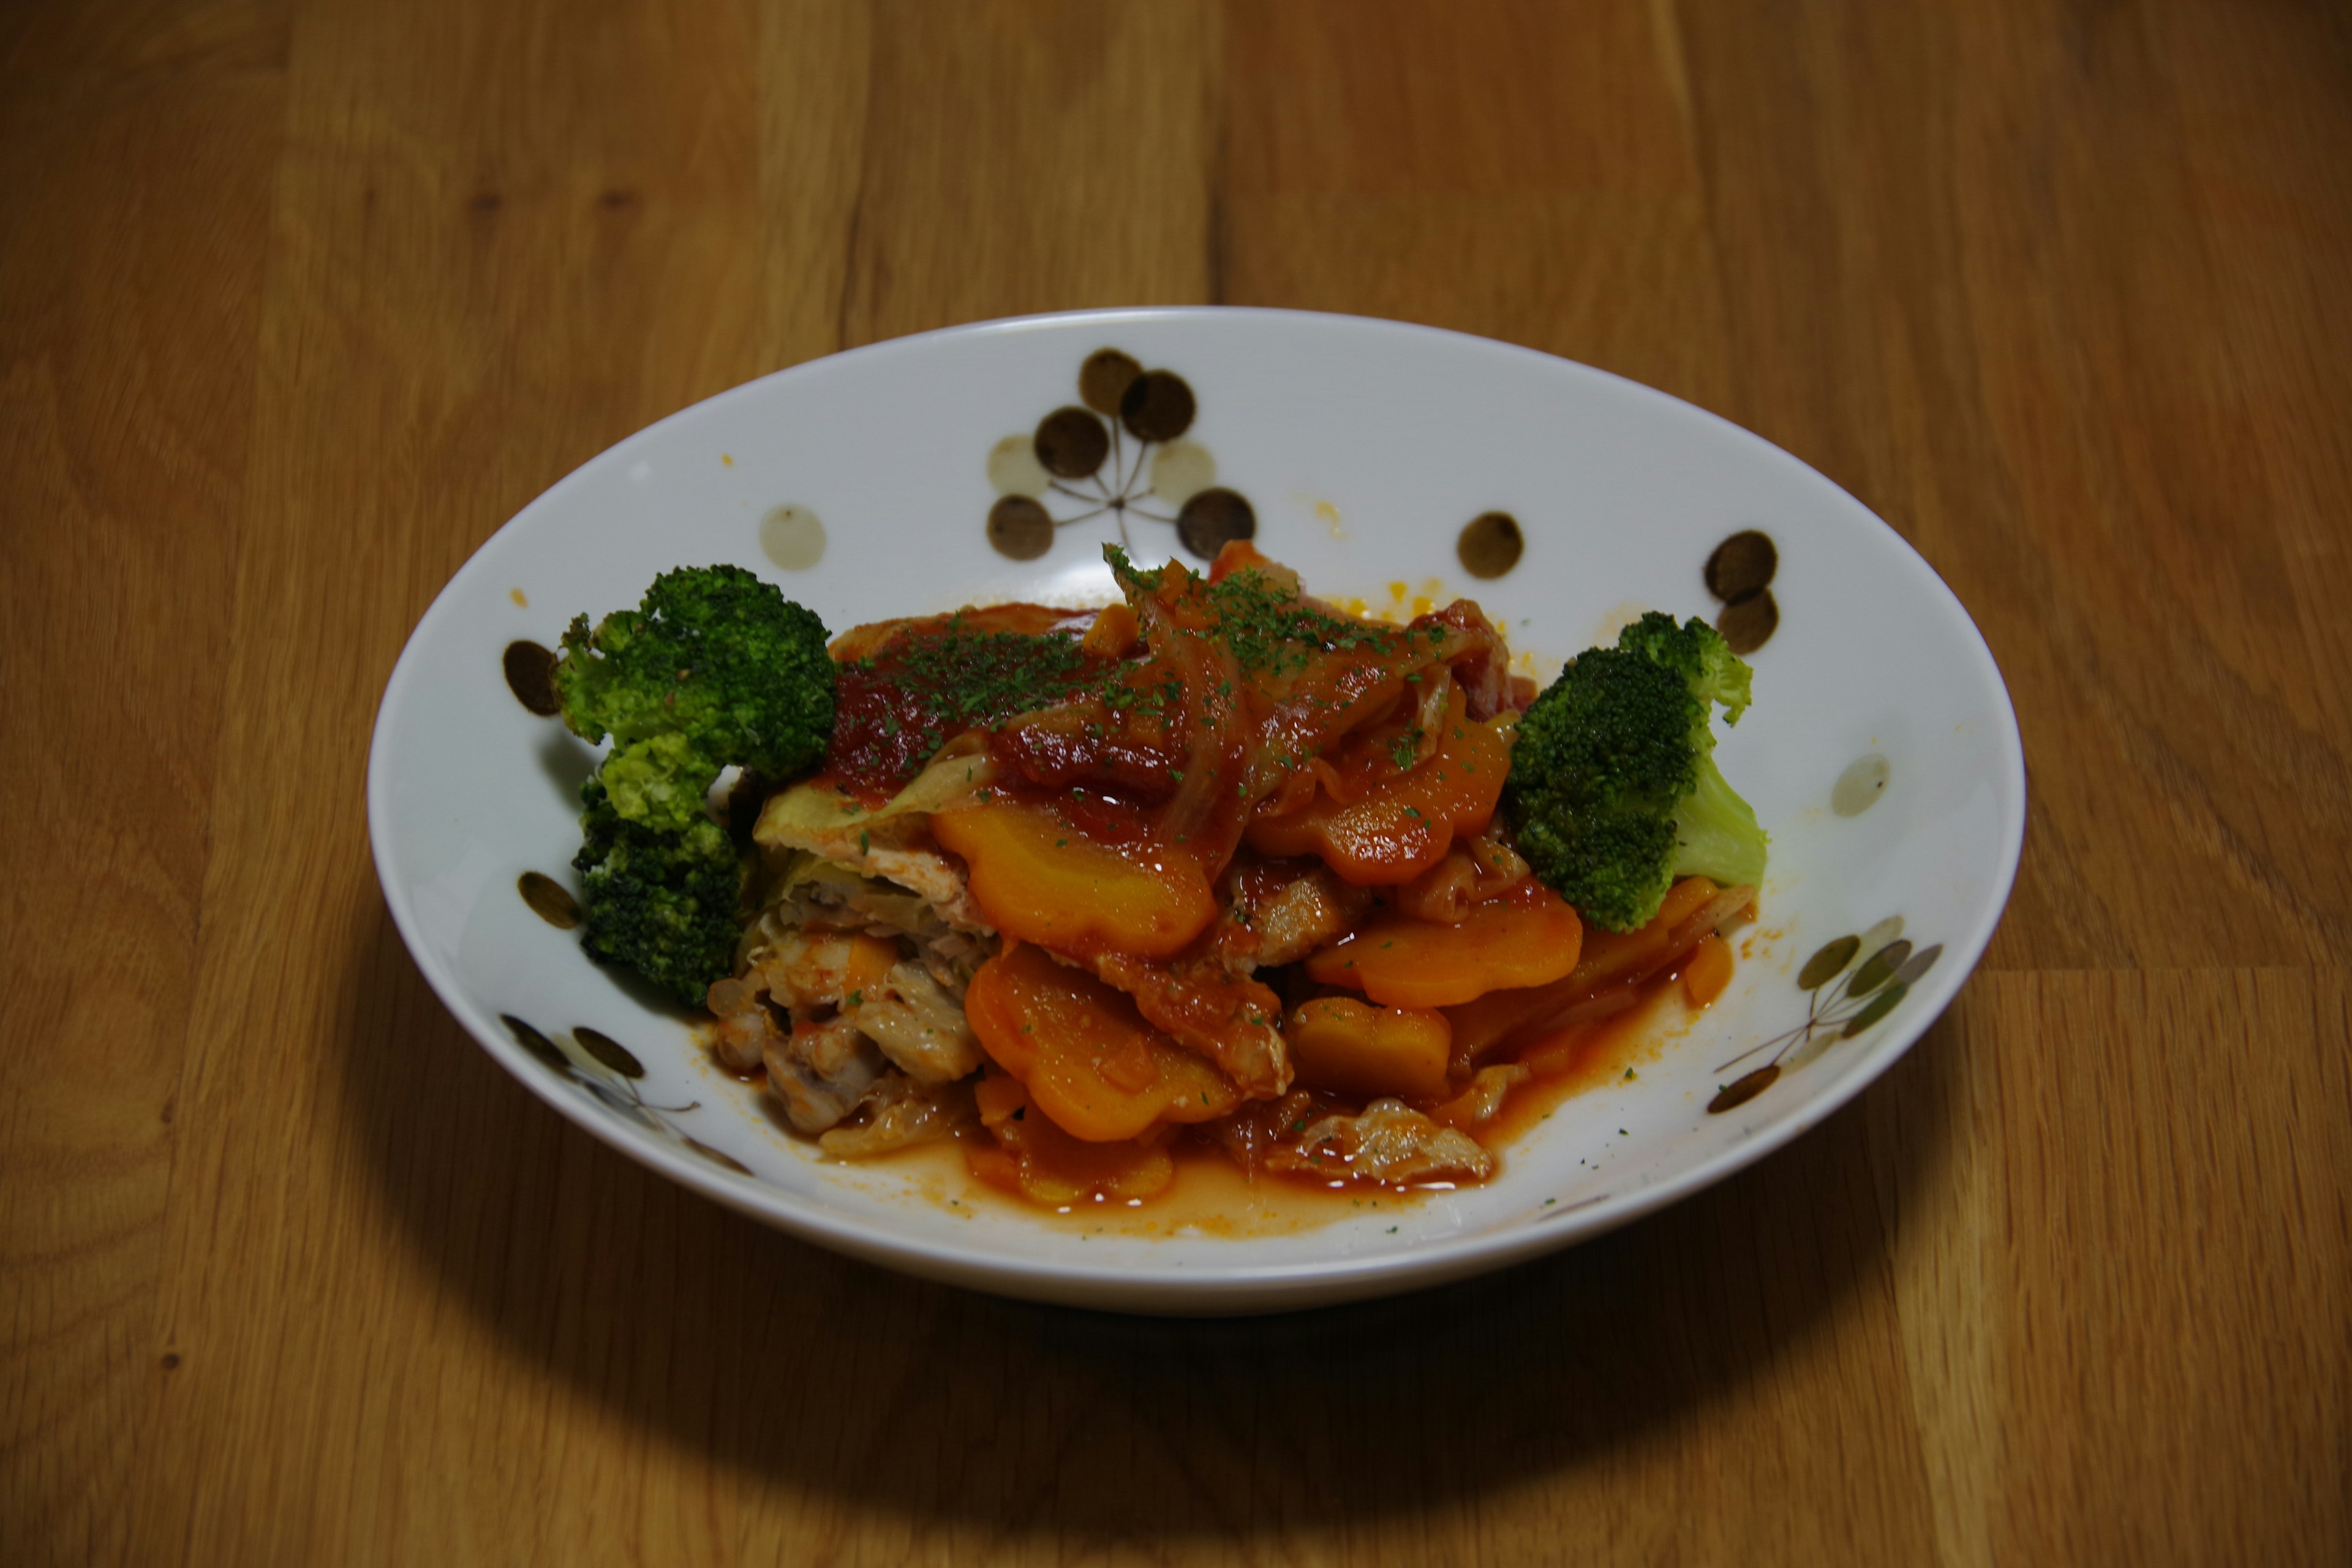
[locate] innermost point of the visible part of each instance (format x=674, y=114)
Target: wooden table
x=300, y=298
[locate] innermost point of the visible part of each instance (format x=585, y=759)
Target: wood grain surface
x=300, y=298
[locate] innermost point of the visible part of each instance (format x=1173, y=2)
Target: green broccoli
x=715, y=670
x=666, y=902
x=1613, y=792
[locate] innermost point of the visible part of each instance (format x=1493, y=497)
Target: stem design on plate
x=607, y=1072
x=1851, y=985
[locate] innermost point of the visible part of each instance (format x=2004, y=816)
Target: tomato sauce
x=905, y=688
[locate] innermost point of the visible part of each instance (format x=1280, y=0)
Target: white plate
x=1363, y=447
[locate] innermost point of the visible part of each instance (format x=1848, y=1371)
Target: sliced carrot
x=1056, y=1169
x=1609, y=960
x=1241, y=555
x=1084, y=1054
x=1528, y=937
x=869, y=969
x=1707, y=971
x=1405, y=824
x=992, y=1163
x=1339, y=1044
x=998, y=1096
x=1029, y=1156
x=1112, y=635
x=1040, y=879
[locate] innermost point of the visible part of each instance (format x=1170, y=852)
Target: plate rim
x=1240, y=1287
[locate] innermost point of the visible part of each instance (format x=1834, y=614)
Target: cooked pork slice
x=1482, y=1101
x=1473, y=871
x=813, y=891
x=895, y=852
x=1228, y=1018
x=918, y=1025
x=952, y=957
x=930, y=875
x=834, y=898
x=1260, y=1133
x=1390, y=1142
x=899, y=1113
x=822, y=1071
x=741, y=1039
x=1311, y=913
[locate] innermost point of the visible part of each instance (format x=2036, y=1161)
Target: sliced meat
x=1474, y=648
x=834, y=898
x=741, y=1039
x=900, y=1114
x=1310, y=911
x=1473, y=871
x=1482, y=1101
x=822, y=1071
x=929, y=875
x=1391, y=1142
x=897, y=849
x=1084, y=745
x=919, y=868
x=1226, y=1017
x=1263, y=1132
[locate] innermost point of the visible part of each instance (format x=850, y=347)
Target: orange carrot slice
x=1083, y=1052
x=1528, y=937
x=1339, y=1044
x=1707, y=971
x=1611, y=960
x=1031, y=1156
x=1040, y=879
x=1404, y=826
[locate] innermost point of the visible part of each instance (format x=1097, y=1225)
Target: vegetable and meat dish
x=1218, y=862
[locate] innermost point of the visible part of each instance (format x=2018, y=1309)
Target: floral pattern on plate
x=1846, y=997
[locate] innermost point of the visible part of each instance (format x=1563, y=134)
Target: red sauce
x=1597, y=1055
x=905, y=688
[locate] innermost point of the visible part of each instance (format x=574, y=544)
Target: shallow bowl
x=1385, y=462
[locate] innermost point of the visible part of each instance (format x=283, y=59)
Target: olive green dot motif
x=1490, y=544
x=1740, y=574
x=530, y=675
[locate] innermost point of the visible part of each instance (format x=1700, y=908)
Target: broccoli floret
x=666, y=902
x=1613, y=792
x=715, y=670
x=1697, y=652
